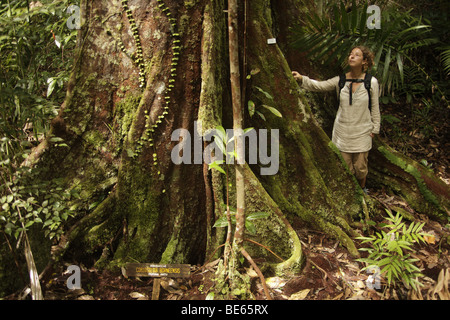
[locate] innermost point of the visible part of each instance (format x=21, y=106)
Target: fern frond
x=445, y=57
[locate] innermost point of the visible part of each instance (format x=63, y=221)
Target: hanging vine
x=138, y=56
x=147, y=138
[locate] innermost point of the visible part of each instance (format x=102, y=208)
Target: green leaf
x=51, y=86
x=261, y=115
x=273, y=110
x=222, y=222
x=9, y=228
x=220, y=143
x=29, y=223
x=264, y=93
x=255, y=71
x=215, y=165
x=56, y=139
x=93, y=205
x=221, y=133
x=250, y=227
x=257, y=215
x=47, y=223
x=251, y=108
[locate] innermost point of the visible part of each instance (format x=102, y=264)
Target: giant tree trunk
x=136, y=204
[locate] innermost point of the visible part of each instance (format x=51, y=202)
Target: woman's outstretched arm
x=314, y=85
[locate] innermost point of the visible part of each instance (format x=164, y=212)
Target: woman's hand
x=297, y=76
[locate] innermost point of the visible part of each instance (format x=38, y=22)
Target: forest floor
x=330, y=273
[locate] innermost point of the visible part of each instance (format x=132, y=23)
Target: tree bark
x=136, y=204
x=235, y=79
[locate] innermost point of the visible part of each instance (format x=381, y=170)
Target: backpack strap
x=367, y=84
x=342, y=80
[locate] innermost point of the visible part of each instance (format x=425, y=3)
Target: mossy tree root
x=413, y=182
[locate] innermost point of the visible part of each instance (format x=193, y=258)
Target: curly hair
x=367, y=56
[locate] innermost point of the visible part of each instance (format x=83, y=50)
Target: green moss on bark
x=419, y=193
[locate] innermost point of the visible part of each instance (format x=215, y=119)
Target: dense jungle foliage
x=38, y=48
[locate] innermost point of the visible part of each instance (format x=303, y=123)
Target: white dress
x=354, y=123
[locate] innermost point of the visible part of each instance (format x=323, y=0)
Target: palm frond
x=445, y=56
x=327, y=38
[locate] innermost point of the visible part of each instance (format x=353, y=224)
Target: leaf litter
x=329, y=272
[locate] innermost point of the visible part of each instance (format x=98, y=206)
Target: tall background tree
x=144, y=69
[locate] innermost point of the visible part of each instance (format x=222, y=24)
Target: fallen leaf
x=85, y=297
x=124, y=272
x=275, y=282
x=360, y=284
x=442, y=285
x=170, y=286
x=300, y=295
x=212, y=264
x=338, y=296
x=430, y=239
x=251, y=273
x=137, y=295
x=357, y=296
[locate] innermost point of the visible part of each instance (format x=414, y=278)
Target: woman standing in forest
x=358, y=117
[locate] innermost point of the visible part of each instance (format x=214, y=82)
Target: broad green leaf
x=248, y=130
x=215, y=165
x=250, y=227
x=273, y=110
x=264, y=92
x=251, y=108
x=257, y=215
x=261, y=115
x=221, y=133
x=29, y=223
x=220, y=143
x=56, y=139
x=51, y=86
x=222, y=222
